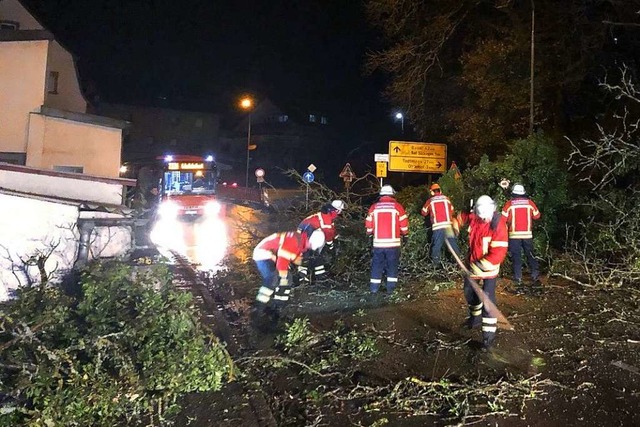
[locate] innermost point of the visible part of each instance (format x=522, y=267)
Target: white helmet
x=316, y=240
x=518, y=190
x=485, y=207
x=387, y=190
x=338, y=205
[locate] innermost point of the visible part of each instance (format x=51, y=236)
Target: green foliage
x=535, y=163
x=327, y=349
x=298, y=335
x=415, y=252
x=124, y=348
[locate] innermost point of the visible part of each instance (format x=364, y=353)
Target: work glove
x=284, y=281
x=330, y=246
x=405, y=238
x=370, y=239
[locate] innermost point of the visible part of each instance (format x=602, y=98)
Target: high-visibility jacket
x=322, y=221
x=282, y=248
x=440, y=211
x=520, y=213
x=488, y=243
x=388, y=222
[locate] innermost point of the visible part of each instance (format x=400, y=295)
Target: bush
x=123, y=349
x=535, y=163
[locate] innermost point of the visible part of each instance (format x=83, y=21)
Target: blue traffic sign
x=308, y=177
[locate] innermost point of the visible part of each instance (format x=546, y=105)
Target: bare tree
x=606, y=248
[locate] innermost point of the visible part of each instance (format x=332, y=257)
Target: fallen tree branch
x=286, y=360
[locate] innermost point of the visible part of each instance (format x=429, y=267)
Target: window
x=52, y=83
x=13, y=158
x=312, y=118
x=72, y=169
x=323, y=120
x=9, y=25
x=283, y=118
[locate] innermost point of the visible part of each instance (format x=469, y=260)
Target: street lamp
x=400, y=116
x=246, y=104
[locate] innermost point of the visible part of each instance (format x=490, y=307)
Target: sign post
x=421, y=157
x=381, y=165
x=259, y=178
x=347, y=175
x=308, y=178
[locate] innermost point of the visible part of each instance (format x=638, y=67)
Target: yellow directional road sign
x=417, y=157
x=381, y=169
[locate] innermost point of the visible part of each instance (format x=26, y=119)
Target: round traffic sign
x=308, y=177
x=259, y=173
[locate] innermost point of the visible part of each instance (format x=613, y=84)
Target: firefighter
x=488, y=244
x=387, y=225
x=520, y=212
x=441, y=214
x=323, y=220
x=273, y=257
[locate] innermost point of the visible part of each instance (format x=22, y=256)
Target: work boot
x=472, y=322
x=258, y=316
x=536, y=287
x=518, y=287
x=488, y=343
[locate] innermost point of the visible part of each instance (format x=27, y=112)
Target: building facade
x=43, y=114
x=157, y=131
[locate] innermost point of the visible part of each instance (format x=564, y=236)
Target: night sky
x=195, y=54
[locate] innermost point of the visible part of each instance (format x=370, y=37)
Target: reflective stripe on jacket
x=320, y=221
x=388, y=222
x=488, y=243
x=440, y=211
x=520, y=213
x=282, y=248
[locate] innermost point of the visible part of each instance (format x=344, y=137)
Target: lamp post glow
x=247, y=105
x=400, y=116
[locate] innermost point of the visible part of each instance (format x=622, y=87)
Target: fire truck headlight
x=212, y=208
x=168, y=210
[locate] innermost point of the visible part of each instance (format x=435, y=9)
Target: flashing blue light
x=168, y=158
x=209, y=159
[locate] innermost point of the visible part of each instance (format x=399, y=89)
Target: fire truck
x=187, y=188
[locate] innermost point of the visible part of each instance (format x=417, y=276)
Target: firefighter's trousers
x=384, y=261
x=313, y=266
x=437, y=240
x=516, y=247
x=271, y=289
x=489, y=324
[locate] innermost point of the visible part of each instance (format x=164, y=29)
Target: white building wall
x=62, y=187
x=40, y=228
x=49, y=228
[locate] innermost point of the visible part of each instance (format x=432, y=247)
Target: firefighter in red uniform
x=273, y=256
x=388, y=225
x=313, y=263
x=440, y=211
x=488, y=244
x=520, y=212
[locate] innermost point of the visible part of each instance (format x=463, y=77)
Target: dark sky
x=305, y=54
